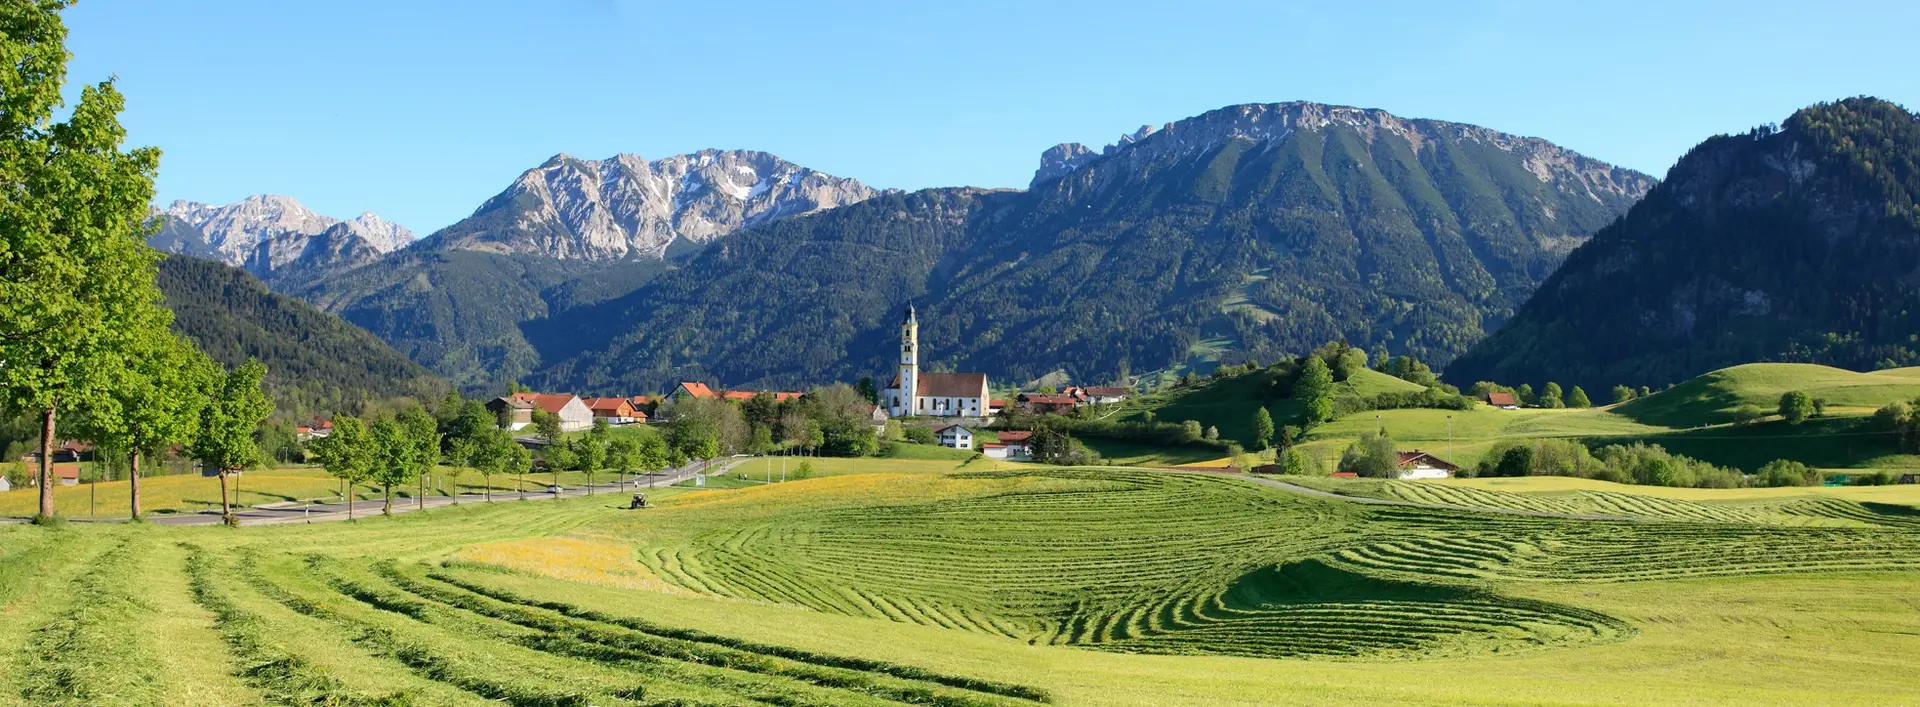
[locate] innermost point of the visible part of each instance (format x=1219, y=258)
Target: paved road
x=278, y=513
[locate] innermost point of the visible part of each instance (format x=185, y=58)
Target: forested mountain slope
x=1796, y=243
x=1262, y=228
x=316, y=363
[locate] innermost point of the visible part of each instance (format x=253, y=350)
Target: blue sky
x=421, y=109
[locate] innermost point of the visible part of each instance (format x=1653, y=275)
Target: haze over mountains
x=1256, y=230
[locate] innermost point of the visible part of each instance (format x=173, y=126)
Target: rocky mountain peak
x=265, y=232
x=1274, y=122
x=626, y=206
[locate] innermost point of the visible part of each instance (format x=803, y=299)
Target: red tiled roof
x=1016, y=435
x=1051, y=399
x=66, y=471
x=996, y=402
x=991, y=445
x=1502, y=399
x=1106, y=391
x=1345, y=475
x=698, y=390
x=606, y=404
x=643, y=400
x=953, y=385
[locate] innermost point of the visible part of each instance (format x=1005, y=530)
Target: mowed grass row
x=1433, y=542
x=1137, y=562
x=1803, y=511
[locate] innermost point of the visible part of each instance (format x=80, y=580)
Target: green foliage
x=802, y=472
x=919, y=435
x=1766, y=270
x=546, y=426
x=1262, y=429
x=1314, y=390
x=1622, y=394
x=1795, y=407
x=225, y=440
x=1578, y=399
x=1551, y=397
x=1411, y=370
x=1293, y=462
x=1786, y=472
x=317, y=363
x=348, y=453
x=1372, y=456
x=76, y=276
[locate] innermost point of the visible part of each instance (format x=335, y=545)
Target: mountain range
x=1252, y=231
x=1797, y=242
x=268, y=233
x=1256, y=229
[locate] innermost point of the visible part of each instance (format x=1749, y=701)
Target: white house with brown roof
x=954, y=437
x=931, y=394
x=573, y=412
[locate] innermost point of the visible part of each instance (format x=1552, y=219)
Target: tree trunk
x=46, y=462
x=489, y=481
x=133, y=484
x=345, y=485
x=226, y=509
x=387, y=509
x=421, y=503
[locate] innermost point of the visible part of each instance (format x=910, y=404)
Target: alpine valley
x=1248, y=231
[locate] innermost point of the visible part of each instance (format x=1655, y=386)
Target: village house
x=1014, y=445
x=1502, y=400
x=954, y=437
x=936, y=394
x=688, y=390
x=1421, y=465
x=616, y=411
x=1048, y=403
x=1105, y=395
x=573, y=412
x=515, y=412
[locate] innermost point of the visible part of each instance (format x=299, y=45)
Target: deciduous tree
x=225, y=441
x=74, y=265
x=347, y=454
x=1262, y=429
x=153, y=400
x=1796, y=407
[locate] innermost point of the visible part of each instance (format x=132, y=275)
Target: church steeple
x=909, y=362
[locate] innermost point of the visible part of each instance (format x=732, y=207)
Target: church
x=931, y=394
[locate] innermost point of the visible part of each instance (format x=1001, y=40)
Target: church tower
x=909, y=362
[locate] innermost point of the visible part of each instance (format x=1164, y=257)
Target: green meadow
x=942, y=582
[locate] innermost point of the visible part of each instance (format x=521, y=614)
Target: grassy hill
x=1713, y=398
x=911, y=585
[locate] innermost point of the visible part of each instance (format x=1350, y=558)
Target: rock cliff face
x=268, y=232
x=1268, y=123
x=1793, y=244
x=628, y=207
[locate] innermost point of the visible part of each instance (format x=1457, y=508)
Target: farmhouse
x=1421, y=465
x=1503, y=400
x=616, y=411
x=693, y=390
x=1048, y=403
x=514, y=411
x=1014, y=445
x=954, y=437
x=937, y=394
x=1105, y=395
x=573, y=413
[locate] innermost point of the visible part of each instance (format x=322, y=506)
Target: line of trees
x=84, y=340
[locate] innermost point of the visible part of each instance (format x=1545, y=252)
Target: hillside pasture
x=1714, y=398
